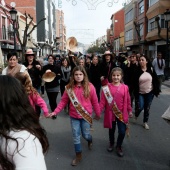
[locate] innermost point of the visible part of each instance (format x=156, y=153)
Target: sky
x=86, y=21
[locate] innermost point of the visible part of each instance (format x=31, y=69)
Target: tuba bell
x=71, y=44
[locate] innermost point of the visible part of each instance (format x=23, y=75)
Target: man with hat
x=106, y=66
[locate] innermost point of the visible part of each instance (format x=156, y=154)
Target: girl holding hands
x=115, y=99
x=82, y=96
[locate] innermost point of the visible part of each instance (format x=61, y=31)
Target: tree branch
x=159, y=28
x=35, y=26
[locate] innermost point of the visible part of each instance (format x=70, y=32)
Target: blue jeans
x=121, y=132
x=80, y=126
x=145, y=101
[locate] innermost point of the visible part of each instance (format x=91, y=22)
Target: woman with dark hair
x=52, y=88
x=13, y=65
x=65, y=74
x=34, y=69
x=106, y=66
x=22, y=139
x=145, y=87
x=95, y=75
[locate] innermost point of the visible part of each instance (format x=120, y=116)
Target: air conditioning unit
x=10, y=28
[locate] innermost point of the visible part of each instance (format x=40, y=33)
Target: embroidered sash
x=79, y=108
x=112, y=103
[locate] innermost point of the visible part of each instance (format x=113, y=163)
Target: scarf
x=160, y=65
x=66, y=73
x=13, y=70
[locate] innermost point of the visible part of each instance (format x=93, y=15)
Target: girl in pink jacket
x=83, y=98
x=115, y=99
x=33, y=95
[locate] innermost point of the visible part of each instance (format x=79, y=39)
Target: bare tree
x=27, y=32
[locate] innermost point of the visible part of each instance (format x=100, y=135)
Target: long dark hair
x=17, y=114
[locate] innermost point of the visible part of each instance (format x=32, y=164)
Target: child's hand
x=50, y=115
x=96, y=117
x=130, y=114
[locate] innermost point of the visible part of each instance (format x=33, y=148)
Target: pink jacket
x=88, y=104
x=36, y=99
x=122, y=99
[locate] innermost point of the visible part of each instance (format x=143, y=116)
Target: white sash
x=112, y=102
x=77, y=105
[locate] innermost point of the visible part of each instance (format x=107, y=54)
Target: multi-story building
x=129, y=27
x=7, y=32
x=155, y=16
x=117, y=26
x=61, y=31
x=46, y=30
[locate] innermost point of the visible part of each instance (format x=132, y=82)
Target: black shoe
x=90, y=145
x=119, y=151
x=110, y=148
x=54, y=117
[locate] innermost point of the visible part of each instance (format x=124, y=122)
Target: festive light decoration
x=92, y=4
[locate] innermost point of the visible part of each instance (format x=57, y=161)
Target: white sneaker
x=145, y=125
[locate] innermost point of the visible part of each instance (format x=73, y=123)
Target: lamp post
x=13, y=13
x=167, y=19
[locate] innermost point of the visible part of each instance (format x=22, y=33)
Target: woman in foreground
x=22, y=140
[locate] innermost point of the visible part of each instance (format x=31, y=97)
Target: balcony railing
x=6, y=34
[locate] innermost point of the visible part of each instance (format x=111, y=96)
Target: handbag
x=166, y=115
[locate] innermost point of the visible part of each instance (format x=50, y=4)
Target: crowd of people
x=85, y=84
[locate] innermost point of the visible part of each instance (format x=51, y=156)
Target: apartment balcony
x=6, y=36
x=153, y=35
x=158, y=8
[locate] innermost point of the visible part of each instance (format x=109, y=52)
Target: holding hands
x=51, y=115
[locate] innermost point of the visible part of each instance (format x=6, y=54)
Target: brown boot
x=77, y=159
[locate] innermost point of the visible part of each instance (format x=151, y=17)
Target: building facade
x=61, y=31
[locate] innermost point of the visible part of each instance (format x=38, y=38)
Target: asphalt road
x=143, y=150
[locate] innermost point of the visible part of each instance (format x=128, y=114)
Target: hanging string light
x=92, y=4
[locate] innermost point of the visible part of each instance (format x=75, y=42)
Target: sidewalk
x=166, y=83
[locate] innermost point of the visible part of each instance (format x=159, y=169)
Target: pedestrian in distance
x=106, y=66
x=23, y=141
x=115, y=99
x=52, y=87
x=145, y=87
x=159, y=66
x=34, y=97
x=82, y=96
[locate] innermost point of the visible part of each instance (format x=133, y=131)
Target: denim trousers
x=121, y=132
x=145, y=101
x=80, y=126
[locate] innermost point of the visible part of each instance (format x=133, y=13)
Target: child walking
x=115, y=99
x=33, y=95
x=82, y=97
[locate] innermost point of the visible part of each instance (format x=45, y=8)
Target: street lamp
x=13, y=13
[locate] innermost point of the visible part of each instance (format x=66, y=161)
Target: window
x=141, y=7
x=128, y=35
x=129, y=16
x=152, y=25
x=141, y=29
x=152, y=2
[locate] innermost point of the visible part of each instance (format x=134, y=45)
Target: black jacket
x=57, y=71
